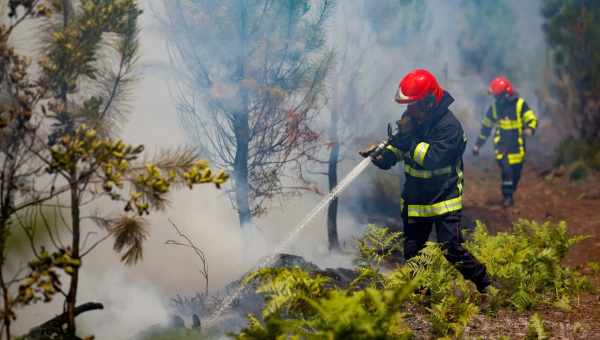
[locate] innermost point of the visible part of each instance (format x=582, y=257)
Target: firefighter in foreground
x=431, y=142
x=514, y=121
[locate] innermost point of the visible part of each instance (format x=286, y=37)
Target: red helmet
x=499, y=86
x=417, y=85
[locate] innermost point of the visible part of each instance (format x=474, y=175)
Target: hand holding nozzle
x=373, y=150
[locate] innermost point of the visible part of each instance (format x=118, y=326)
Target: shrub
x=572, y=150
x=525, y=262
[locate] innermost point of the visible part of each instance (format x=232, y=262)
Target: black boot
x=482, y=284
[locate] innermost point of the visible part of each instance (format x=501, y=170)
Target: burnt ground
x=544, y=195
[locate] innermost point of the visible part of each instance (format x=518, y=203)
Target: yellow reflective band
x=426, y=173
x=529, y=115
x=532, y=124
x=497, y=139
x=494, y=111
x=530, y=118
x=499, y=155
x=482, y=136
x=516, y=158
x=399, y=154
x=486, y=122
x=520, y=140
x=435, y=209
x=520, y=103
x=507, y=124
x=420, y=152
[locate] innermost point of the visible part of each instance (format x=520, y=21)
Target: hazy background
x=137, y=297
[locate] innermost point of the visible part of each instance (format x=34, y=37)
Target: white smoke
x=136, y=298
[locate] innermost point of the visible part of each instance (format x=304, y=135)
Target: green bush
x=525, y=262
x=572, y=150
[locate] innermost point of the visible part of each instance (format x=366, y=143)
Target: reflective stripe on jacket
x=433, y=164
x=509, y=117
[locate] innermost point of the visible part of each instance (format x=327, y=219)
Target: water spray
x=342, y=185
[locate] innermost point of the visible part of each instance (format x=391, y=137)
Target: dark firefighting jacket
x=433, y=163
x=509, y=117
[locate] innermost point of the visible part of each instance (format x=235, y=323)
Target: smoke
x=136, y=298
x=130, y=307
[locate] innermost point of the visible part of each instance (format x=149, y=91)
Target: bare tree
x=249, y=82
x=189, y=243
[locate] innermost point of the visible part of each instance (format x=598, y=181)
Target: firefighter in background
x=514, y=121
x=430, y=141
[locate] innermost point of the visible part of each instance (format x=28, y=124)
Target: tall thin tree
x=249, y=81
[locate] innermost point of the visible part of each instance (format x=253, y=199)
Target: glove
x=368, y=150
x=384, y=160
x=475, y=150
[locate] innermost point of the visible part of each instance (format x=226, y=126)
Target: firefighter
x=431, y=142
x=514, y=121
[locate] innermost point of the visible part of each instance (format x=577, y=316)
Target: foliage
x=573, y=150
x=451, y=316
x=594, y=267
x=289, y=289
x=63, y=119
x=365, y=314
x=377, y=244
x=536, y=328
x=43, y=280
x=573, y=33
x=450, y=299
x=525, y=263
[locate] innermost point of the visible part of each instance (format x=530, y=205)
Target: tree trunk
x=75, y=224
x=242, y=130
x=332, y=233
x=240, y=168
x=6, y=188
x=5, y=294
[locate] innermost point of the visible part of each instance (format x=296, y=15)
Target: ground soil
x=545, y=194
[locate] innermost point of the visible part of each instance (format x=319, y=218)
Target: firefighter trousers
x=448, y=230
x=511, y=175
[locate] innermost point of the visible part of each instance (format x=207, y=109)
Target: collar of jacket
x=438, y=112
x=507, y=100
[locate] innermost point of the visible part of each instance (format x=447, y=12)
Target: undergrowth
x=579, y=154
x=525, y=263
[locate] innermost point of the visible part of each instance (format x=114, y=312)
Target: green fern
x=526, y=262
x=286, y=289
x=377, y=245
x=536, y=328
x=594, y=267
